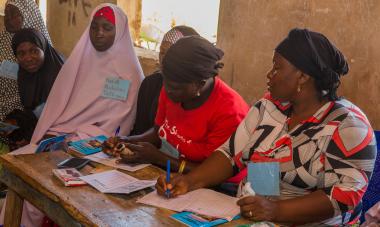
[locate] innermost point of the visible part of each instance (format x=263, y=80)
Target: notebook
x=201, y=201
x=197, y=220
x=88, y=146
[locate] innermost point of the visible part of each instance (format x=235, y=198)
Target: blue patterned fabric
x=372, y=195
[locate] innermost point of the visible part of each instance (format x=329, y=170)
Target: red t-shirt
x=198, y=132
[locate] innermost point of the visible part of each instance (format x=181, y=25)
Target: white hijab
x=75, y=104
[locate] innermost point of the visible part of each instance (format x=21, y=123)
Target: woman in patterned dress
x=324, y=145
x=18, y=14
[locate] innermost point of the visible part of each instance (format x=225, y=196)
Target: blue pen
x=167, y=193
x=117, y=131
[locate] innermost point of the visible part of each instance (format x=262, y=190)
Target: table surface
x=84, y=204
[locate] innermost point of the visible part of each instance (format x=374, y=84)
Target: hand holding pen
x=177, y=184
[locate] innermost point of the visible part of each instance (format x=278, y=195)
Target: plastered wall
x=249, y=30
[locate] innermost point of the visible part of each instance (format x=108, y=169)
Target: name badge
x=9, y=69
x=168, y=149
x=116, y=88
x=265, y=178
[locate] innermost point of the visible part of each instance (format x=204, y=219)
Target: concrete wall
x=249, y=30
x=67, y=19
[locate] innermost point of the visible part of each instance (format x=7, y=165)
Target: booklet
x=50, y=143
x=201, y=201
x=7, y=128
x=198, y=220
x=116, y=182
x=69, y=176
x=88, y=146
x=104, y=159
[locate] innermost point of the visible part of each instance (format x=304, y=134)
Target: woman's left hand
x=143, y=153
x=258, y=208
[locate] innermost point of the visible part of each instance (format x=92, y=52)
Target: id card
x=265, y=178
x=9, y=69
x=168, y=149
x=116, y=88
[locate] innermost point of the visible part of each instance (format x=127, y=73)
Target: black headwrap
x=191, y=59
x=35, y=87
x=186, y=30
x=315, y=55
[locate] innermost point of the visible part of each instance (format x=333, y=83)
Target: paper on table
x=114, y=181
x=106, y=160
x=27, y=149
x=134, y=186
x=201, y=201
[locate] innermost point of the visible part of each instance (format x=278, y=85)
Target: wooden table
x=30, y=177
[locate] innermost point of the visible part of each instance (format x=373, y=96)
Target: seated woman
x=149, y=92
x=197, y=111
x=39, y=66
x=77, y=103
x=96, y=90
x=18, y=14
x=324, y=144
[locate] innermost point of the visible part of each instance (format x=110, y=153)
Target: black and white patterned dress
x=333, y=151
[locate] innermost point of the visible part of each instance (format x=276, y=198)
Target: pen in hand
x=117, y=131
x=167, y=192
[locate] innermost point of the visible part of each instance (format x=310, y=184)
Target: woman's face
x=30, y=57
x=283, y=79
x=102, y=33
x=13, y=19
x=181, y=92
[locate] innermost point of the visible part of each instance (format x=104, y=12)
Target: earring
x=299, y=88
x=198, y=93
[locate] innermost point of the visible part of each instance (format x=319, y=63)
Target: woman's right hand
x=179, y=185
x=108, y=146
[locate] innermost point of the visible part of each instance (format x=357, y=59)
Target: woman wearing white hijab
x=75, y=104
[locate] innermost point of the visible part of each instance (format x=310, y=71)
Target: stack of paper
x=109, y=161
x=202, y=201
x=27, y=149
x=114, y=181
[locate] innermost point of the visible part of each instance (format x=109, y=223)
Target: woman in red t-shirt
x=197, y=111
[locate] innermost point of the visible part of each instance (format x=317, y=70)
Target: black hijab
x=191, y=59
x=312, y=53
x=34, y=88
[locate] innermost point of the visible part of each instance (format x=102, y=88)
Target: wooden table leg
x=13, y=209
